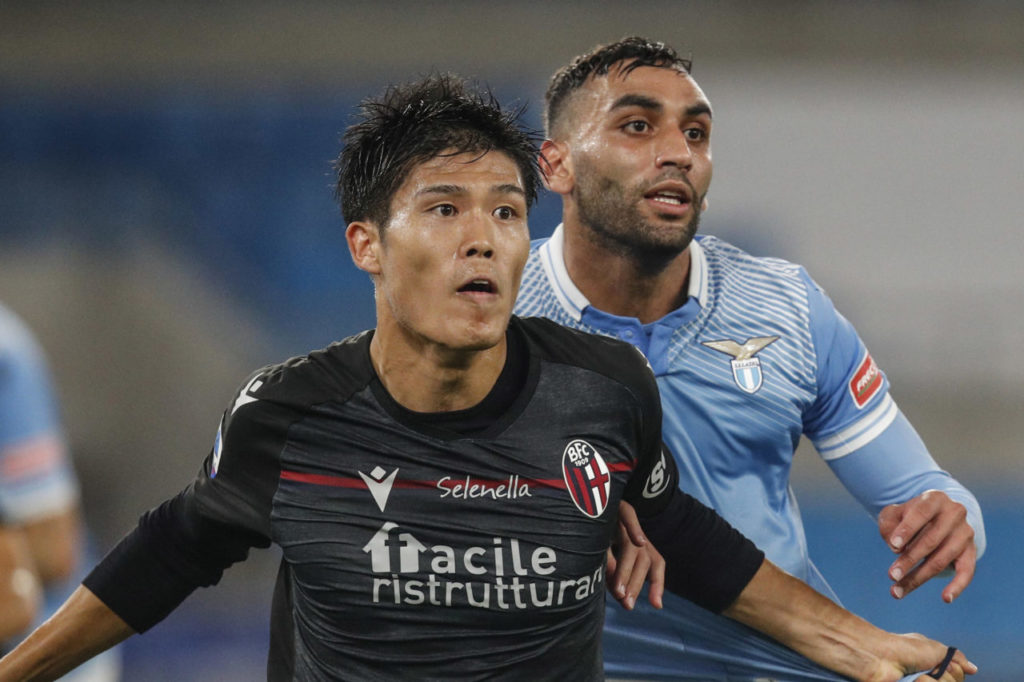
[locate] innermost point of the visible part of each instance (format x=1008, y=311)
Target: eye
x=445, y=210
x=696, y=134
x=636, y=126
x=505, y=213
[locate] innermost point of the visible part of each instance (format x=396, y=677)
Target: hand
x=931, y=529
x=914, y=653
x=631, y=560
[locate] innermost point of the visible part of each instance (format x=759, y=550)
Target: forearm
x=20, y=592
x=54, y=543
x=794, y=614
x=707, y=561
x=895, y=467
x=81, y=628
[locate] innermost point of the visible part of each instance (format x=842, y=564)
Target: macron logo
x=379, y=485
x=246, y=396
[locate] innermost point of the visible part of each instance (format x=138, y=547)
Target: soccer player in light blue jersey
x=41, y=544
x=749, y=354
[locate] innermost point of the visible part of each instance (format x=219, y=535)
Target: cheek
x=515, y=241
x=706, y=165
x=407, y=271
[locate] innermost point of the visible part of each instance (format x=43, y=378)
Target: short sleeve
x=655, y=476
x=850, y=385
x=36, y=477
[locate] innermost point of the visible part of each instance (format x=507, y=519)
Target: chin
x=480, y=337
x=483, y=342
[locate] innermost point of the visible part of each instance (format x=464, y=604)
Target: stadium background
x=167, y=225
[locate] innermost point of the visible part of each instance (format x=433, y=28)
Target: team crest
x=587, y=477
x=746, y=369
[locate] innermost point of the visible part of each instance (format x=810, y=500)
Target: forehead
x=465, y=170
x=673, y=89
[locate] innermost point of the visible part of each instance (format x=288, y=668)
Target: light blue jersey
x=756, y=357
x=36, y=477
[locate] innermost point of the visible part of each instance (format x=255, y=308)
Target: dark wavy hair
x=418, y=121
x=633, y=51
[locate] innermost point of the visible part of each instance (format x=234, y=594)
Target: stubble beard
x=611, y=213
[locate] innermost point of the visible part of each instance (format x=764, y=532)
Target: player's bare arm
x=19, y=587
x=792, y=613
x=83, y=627
x=53, y=542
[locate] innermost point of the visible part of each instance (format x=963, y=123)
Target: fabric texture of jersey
x=36, y=476
x=756, y=357
x=420, y=553
x=36, y=479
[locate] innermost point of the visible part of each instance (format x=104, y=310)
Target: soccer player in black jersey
x=444, y=487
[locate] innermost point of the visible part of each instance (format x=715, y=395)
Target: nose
x=674, y=150
x=477, y=239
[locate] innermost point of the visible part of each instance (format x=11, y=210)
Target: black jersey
x=410, y=550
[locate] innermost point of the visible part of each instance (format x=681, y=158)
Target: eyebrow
x=633, y=100
x=506, y=188
x=645, y=102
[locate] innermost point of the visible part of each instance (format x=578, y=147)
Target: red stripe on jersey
x=349, y=482
x=322, y=479
x=32, y=457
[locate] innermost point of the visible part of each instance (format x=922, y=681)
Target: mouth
x=670, y=196
x=479, y=285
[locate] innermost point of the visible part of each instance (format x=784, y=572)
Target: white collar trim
x=572, y=300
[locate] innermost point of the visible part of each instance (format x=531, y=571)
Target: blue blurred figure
x=42, y=540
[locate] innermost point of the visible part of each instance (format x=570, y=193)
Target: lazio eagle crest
x=746, y=369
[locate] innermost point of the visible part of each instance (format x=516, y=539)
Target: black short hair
x=415, y=122
x=635, y=50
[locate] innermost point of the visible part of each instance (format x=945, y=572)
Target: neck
x=624, y=284
x=424, y=376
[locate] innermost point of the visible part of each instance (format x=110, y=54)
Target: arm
x=925, y=516
x=172, y=551
x=81, y=628
x=713, y=565
x=19, y=588
x=858, y=429
x=53, y=542
x=794, y=614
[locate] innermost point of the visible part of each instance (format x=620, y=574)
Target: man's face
x=453, y=251
x=640, y=155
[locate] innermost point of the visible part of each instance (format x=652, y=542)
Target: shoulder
x=757, y=284
x=610, y=357
x=331, y=373
x=722, y=254
x=16, y=341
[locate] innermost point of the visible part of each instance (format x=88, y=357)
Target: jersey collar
x=572, y=300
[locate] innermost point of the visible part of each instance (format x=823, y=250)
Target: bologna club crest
x=586, y=477
x=746, y=369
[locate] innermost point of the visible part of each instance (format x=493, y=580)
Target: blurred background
x=167, y=225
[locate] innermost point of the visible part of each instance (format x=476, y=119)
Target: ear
x=704, y=204
x=364, y=245
x=556, y=165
